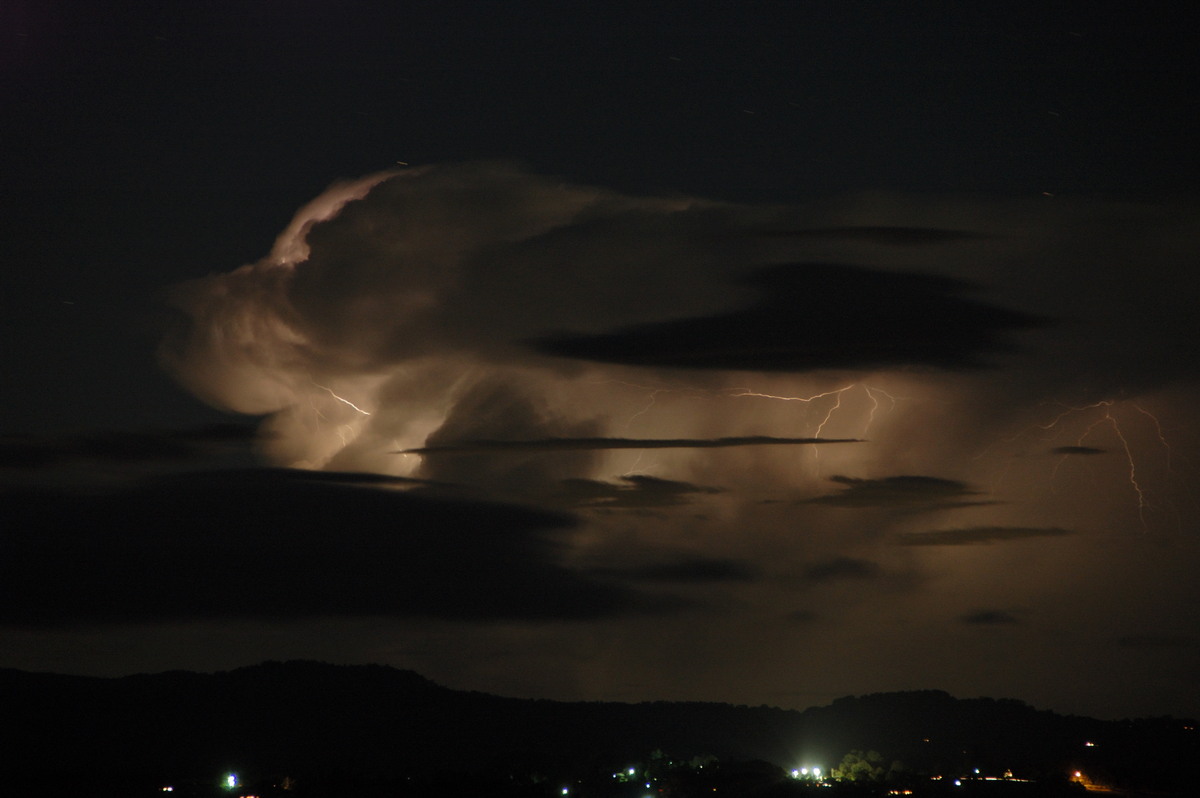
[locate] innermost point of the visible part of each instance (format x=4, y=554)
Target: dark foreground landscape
x=310, y=729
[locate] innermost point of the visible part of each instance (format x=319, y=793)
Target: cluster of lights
x=806, y=773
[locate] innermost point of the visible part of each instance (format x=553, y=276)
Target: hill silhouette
x=328, y=724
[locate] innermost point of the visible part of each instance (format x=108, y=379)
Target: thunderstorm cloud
x=429, y=307
x=595, y=407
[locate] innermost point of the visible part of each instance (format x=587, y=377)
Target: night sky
x=763, y=353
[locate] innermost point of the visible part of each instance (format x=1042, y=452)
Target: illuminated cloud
x=502, y=338
x=444, y=304
x=395, y=307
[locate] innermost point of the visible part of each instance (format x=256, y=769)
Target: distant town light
x=1090, y=744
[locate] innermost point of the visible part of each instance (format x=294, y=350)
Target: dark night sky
x=965, y=237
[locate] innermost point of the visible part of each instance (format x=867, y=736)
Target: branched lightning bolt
x=873, y=394
x=649, y=404
x=804, y=399
x=829, y=414
x=1109, y=418
x=871, y=391
x=875, y=405
x=341, y=399
x=1158, y=429
x=1133, y=480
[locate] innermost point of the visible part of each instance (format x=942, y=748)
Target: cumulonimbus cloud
x=480, y=325
x=390, y=301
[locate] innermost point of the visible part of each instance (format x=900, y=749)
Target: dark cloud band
x=576, y=444
x=283, y=544
x=978, y=535
x=811, y=316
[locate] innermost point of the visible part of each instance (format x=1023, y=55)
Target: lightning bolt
x=873, y=393
x=804, y=399
x=1109, y=418
x=1158, y=429
x=650, y=402
x=837, y=403
x=341, y=399
x=1133, y=478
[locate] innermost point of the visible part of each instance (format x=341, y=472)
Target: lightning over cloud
x=430, y=309
x=671, y=375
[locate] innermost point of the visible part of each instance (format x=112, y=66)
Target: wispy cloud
x=632, y=491
x=838, y=568
x=882, y=235
x=816, y=316
x=1158, y=641
x=989, y=618
x=587, y=444
x=692, y=570
x=898, y=491
x=977, y=535
x=1085, y=450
